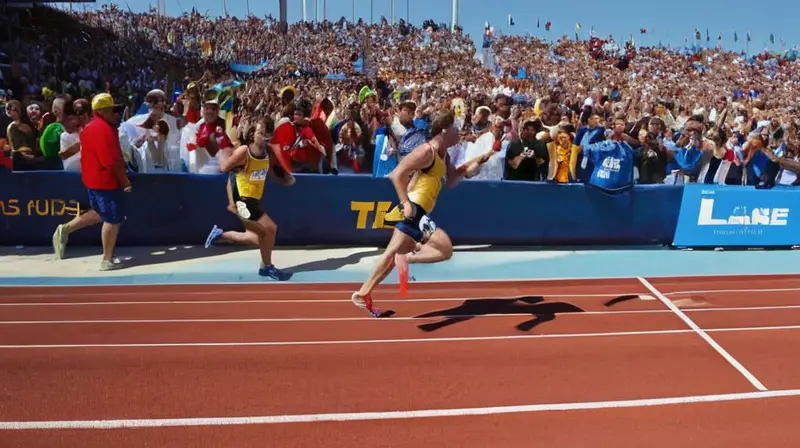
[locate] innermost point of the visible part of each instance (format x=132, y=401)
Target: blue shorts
x=109, y=204
x=419, y=227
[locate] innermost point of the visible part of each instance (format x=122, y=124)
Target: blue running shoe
x=216, y=232
x=274, y=273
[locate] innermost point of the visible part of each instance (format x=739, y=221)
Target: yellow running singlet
x=251, y=179
x=428, y=184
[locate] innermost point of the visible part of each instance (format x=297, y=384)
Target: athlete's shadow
x=333, y=264
x=530, y=305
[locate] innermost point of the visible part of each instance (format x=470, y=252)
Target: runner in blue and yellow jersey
x=418, y=180
x=248, y=167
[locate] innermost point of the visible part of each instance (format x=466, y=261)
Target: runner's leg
x=399, y=244
x=266, y=229
x=266, y=243
x=248, y=237
x=437, y=248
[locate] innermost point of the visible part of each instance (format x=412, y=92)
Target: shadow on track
x=333, y=264
x=525, y=305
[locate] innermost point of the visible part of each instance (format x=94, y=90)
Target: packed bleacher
x=347, y=97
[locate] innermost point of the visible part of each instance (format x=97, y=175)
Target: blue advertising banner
x=177, y=208
x=730, y=216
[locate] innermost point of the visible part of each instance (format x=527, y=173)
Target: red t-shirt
x=218, y=129
x=101, y=156
x=287, y=138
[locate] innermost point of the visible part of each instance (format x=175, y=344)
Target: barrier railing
x=169, y=209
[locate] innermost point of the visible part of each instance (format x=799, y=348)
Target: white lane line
x=393, y=319
x=325, y=292
x=728, y=291
x=353, y=342
x=728, y=357
x=320, y=319
x=399, y=341
x=394, y=415
x=743, y=308
x=93, y=284
x=310, y=292
x=225, y=302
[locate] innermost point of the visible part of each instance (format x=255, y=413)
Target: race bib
x=257, y=176
x=427, y=226
x=241, y=210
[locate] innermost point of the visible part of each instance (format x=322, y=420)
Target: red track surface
x=232, y=351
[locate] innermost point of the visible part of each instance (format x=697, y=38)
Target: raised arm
x=237, y=159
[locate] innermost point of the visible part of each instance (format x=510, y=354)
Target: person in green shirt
x=50, y=142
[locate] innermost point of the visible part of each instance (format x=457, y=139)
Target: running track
x=661, y=362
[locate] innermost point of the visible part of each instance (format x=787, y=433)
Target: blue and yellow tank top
x=428, y=184
x=425, y=188
x=250, y=180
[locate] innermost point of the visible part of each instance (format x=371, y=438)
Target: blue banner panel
x=730, y=216
x=177, y=208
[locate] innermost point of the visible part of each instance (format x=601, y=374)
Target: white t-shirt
x=73, y=163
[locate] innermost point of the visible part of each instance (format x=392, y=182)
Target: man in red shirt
x=103, y=174
x=294, y=142
x=211, y=136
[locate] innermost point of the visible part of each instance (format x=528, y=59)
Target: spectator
x=22, y=139
x=527, y=157
x=613, y=160
x=70, y=140
x=103, y=174
x=582, y=82
x=212, y=138
x=563, y=157
x=50, y=142
x=405, y=129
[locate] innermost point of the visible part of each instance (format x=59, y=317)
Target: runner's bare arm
x=421, y=157
x=467, y=170
x=237, y=159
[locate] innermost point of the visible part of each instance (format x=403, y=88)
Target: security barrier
x=170, y=209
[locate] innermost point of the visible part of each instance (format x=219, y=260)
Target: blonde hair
x=443, y=119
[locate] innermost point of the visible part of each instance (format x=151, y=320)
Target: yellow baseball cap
x=103, y=101
x=288, y=89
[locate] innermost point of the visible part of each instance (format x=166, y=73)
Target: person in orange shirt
x=563, y=158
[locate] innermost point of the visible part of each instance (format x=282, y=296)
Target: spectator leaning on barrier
x=70, y=139
x=22, y=139
x=211, y=135
x=50, y=142
x=411, y=135
x=788, y=161
x=613, y=160
x=686, y=155
x=103, y=174
x=527, y=157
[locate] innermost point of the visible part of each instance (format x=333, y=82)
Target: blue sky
x=672, y=23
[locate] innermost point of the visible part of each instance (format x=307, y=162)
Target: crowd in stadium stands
x=355, y=97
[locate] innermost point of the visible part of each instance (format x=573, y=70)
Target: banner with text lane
x=734, y=216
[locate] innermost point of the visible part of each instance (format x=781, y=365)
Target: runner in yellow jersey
x=248, y=167
x=418, y=180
